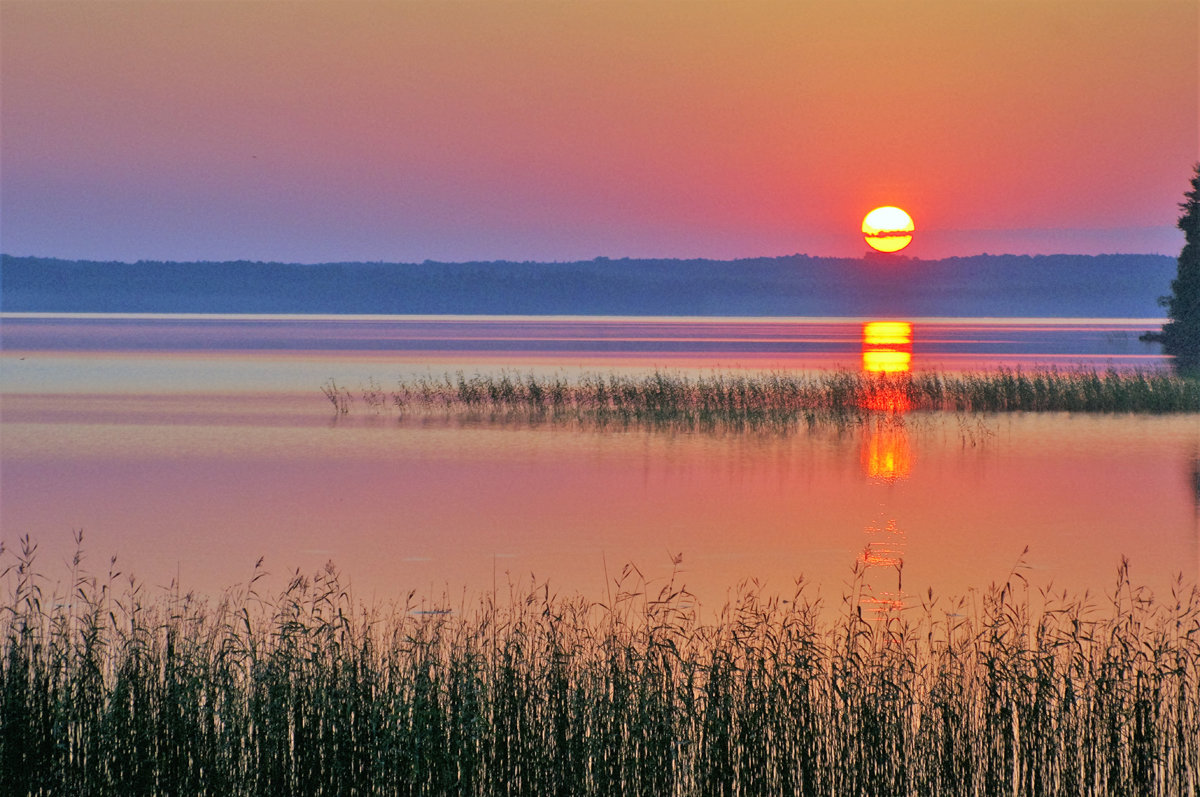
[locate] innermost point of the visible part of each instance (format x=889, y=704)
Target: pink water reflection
x=489, y=342
x=435, y=505
x=196, y=462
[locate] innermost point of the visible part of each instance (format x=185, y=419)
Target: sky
x=335, y=130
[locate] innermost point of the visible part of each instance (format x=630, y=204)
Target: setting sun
x=888, y=229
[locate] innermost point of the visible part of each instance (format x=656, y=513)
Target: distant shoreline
x=984, y=286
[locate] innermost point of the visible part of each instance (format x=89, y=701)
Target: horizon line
x=866, y=255
x=461, y=317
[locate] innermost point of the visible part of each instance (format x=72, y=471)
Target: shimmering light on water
x=887, y=346
x=298, y=347
x=886, y=455
x=196, y=460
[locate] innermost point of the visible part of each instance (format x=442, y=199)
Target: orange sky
x=462, y=130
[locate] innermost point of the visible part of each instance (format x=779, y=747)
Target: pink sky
x=404, y=131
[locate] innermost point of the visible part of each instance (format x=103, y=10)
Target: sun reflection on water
x=886, y=460
x=887, y=346
x=886, y=455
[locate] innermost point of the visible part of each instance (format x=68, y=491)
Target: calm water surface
x=189, y=447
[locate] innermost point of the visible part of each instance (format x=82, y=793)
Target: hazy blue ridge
x=795, y=285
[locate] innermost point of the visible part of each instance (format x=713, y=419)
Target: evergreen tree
x=1180, y=336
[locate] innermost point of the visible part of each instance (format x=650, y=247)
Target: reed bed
x=108, y=689
x=776, y=398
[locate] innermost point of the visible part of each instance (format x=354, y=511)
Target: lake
x=191, y=446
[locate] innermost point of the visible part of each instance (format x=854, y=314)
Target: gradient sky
x=401, y=131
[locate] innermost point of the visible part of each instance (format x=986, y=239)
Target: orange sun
x=888, y=229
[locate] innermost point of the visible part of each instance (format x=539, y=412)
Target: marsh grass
x=106, y=688
x=775, y=399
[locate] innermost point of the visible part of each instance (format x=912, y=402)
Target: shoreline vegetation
x=1081, y=286
x=109, y=687
x=772, y=399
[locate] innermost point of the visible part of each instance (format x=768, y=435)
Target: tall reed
x=108, y=689
x=778, y=398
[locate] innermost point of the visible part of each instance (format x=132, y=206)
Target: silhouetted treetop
x=1180, y=336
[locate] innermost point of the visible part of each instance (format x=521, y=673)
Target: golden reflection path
x=887, y=347
x=886, y=460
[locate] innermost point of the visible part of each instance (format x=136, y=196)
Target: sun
x=888, y=229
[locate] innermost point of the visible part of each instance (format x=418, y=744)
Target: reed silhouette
x=778, y=400
x=107, y=688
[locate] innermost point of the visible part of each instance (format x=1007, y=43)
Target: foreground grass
x=778, y=398
x=305, y=693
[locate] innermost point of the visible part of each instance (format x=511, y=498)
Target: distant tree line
x=796, y=285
